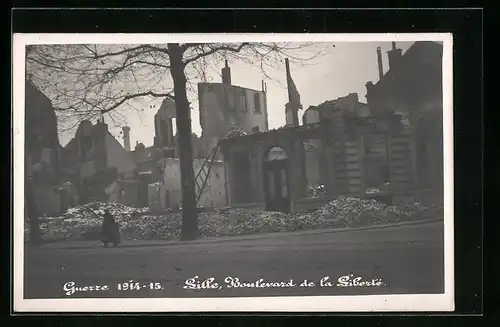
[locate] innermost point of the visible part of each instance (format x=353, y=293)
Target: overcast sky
x=343, y=69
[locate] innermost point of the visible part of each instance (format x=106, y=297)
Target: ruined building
x=164, y=128
x=412, y=92
x=394, y=141
x=349, y=107
x=224, y=106
x=93, y=160
x=168, y=193
x=42, y=151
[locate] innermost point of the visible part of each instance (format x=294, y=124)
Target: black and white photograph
x=233, y=172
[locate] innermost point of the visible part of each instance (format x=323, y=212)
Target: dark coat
x=110, y=229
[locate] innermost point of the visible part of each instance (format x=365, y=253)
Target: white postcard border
x=372, y=303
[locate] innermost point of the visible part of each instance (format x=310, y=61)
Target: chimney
x=394, y=55
x=126, y=138
x=369, y=88
x=287, y=67
x=293, y=105
x=226, y=74
x=100, y=150
x=380, y=66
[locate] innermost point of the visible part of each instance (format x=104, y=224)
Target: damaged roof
x=418, y=55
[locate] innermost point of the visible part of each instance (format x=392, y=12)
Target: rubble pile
x=316, y=191
x=210, y=224
x=149, y=227
x=84, y=222
x=234, y=132
x=411, y=206
x=416, y=209
x=347, y=211
x=239, y=222
x=95, y=209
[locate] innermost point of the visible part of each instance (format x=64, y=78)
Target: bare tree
x=88, y=81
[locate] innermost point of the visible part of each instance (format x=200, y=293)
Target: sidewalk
x=156, y=243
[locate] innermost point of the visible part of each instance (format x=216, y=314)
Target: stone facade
x=343, y=159
x=224, y=106
x=412, y=90
x=393, y=142
x=246, y=182
x=332, y=112
x=168, y=192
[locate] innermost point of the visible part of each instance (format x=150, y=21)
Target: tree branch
x=89, y=80
x=214, y=50
x=137, y=95
x=156, y=48
x=110, y=54
x=186, y=46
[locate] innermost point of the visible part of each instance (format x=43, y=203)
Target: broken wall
x=256, y=148
x=222, y=107
x=170, y=193
x=118, y=157
x=47, y=199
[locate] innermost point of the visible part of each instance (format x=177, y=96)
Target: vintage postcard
x=233, y=172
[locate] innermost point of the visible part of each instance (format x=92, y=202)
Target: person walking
x=110, y=230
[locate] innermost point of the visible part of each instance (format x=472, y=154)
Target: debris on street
x=83, y=222
x=348, y=211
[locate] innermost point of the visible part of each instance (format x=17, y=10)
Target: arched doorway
x=276, y=180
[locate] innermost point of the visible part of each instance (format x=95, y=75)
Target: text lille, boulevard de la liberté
x=195, y=283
